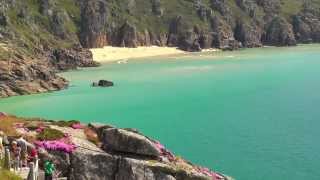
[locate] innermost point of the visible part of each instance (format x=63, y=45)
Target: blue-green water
x=252, y=114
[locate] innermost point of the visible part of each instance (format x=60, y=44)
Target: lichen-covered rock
x=249, y=6
x=156, y=7
x=103, y=166
x=184, y=36
x=92, y=166
x=57, y=21
x=271, y=7
x=46, y=7
x=66, y=59
x=119, y=140
x=20, y=77
x=127, y=36
x=306, y=25
x=248, y=35
x=223, y=36
x=279, y=33
x=93, y=21
x=221, y=6
x=62, y=162
x=133, y=169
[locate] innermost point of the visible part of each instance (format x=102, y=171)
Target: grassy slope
x=35, y=30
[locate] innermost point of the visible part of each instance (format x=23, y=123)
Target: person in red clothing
x=33, y=154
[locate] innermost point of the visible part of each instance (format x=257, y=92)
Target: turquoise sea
x=253, y=114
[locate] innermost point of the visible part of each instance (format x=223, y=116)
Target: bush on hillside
x=49, y=134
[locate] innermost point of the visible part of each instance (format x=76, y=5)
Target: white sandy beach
x=110, y=54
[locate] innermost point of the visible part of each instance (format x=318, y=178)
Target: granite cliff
x=39, y=38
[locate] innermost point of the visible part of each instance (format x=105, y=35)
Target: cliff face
x=46, y=36
x=198, y=24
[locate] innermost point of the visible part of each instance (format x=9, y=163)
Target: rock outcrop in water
x=43, y=37
x=103, y=83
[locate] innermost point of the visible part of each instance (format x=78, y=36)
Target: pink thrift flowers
x=208, y=172
x=57, y=145
x=77, y=126
x=164, y=151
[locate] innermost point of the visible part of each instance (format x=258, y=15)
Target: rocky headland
x=100, y=151
x=39, y=38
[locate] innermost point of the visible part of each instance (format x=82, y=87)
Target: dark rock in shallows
x=123, y=141
x=105, y=83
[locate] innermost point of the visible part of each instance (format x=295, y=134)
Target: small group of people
x=22, y=153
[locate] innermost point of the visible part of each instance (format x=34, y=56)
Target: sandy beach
x=111, y=54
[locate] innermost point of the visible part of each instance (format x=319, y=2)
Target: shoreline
x=109, y=54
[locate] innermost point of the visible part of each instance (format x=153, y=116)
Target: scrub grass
x=7, y=175
x=7, y=125
x=49, y=134
x=64, y=123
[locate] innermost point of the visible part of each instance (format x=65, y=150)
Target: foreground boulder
x=103, y=83
x=103, y=166
x=124, y=141
x=92, y=166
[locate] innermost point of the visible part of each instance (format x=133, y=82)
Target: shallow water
x=252, y=114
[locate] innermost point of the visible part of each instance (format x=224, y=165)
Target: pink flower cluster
x=77, y=126
x=164, y=151
x=40, y=129
x=208, y=172
x=57, y=145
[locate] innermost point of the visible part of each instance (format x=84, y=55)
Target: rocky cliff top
x=100, y=152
